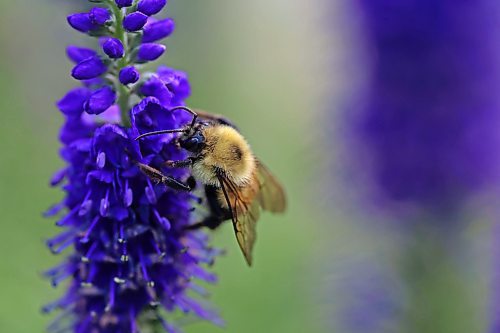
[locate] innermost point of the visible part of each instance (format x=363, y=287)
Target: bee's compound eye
x=193, y=143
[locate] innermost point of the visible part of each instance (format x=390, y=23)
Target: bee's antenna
x=160, y=132
x=185, y=108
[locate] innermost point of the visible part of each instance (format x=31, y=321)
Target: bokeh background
x=293, y=75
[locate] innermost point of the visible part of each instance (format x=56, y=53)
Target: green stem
x=437, y=292
x=123, y=93
x=123, y=100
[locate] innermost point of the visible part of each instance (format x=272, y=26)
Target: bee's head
x=192, y=139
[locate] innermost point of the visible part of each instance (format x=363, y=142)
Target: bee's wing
x=215, y=118
x=244, y=217
x=245, y=230
x=271, y=195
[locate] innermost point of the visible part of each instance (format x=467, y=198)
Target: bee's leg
x=217, y=215
x=175, y=184
x=158, y=177
x=211, y=222
x=180, y=164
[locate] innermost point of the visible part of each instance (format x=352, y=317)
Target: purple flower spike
x=156, y=30
x=151, y=7
x=100, y=100
x=81, y=22
x=89, y=69
x=113, y=47
x=134, y=21
x=129, y=75
x=150, y=51
x=77, y=54
x=99, y=16
x=131, y=255
x=124, y=3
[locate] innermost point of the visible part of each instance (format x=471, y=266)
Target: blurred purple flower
x=431, y=116
x=426, y=131
x=131, y=257
x=368, y=297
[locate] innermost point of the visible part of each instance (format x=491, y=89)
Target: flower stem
x=123, y=93
x=436, y=289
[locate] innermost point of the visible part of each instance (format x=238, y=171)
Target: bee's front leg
x=180, y=164
x=158, y=177
x=175, y=184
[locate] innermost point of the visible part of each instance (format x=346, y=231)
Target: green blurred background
x=271, y=67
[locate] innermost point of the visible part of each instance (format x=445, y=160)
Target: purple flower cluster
x=430, y=119
x=130, y=257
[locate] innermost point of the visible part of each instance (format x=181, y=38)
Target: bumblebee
x=237, y=185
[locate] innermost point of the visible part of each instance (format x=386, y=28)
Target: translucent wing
x=245, y=203
x=214, y=118
x=244, y=216
x=271, y=194
x=245, y=230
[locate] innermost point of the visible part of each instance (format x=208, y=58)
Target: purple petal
x=150, y=51
x=58, y=177
x=150, y=194
x=113, y=47
x=100, y=100
x=151, y=7
x=129, y=75
x=99, y=16
x=99, y=175
x=85, y=207
x=53, y=210
x=81, y=22
x=89, y=69
x=176, y=81
x=156, y=30
x=123, y=3
x=157, y=88
x=72, y=103
x=134, y=21
x=77, y=54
